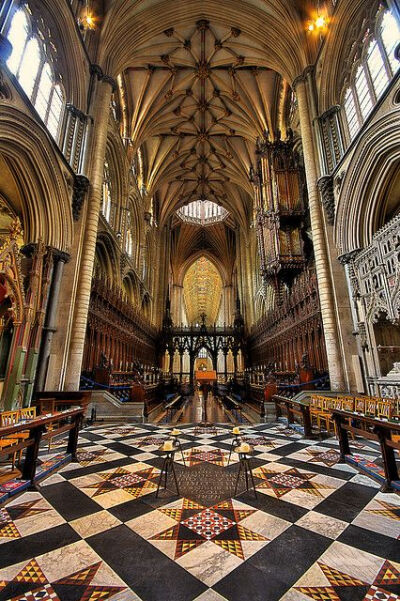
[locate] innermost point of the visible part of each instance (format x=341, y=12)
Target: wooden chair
x=347, y=403
x=28, y=413
x=7, y=444
x=359, y=404
x=11, y=418
x=371, y=406
x=325, y=417
x=316, y=408
x=384, y=408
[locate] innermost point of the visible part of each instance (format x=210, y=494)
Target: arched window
x=33, y=69
x=106, y=204
x=373, y=72
x=390, y=35
x=129, y=243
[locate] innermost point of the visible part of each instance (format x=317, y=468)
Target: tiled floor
x=93, y=531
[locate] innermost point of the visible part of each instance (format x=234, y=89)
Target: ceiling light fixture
x=318, y=24
x=87, y=21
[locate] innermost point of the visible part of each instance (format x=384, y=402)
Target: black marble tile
x=372, y=542
x=318, y=469
x=247, y=583
x=69, y=501
x=129, y=510
x=347, y=501
x=156, y=461
x=273, y=506
x=150, y=573
x=96, y=467
x=124, y=449
x=287, y=557
x=90, y=436
x=24, y=548
x=288, y=449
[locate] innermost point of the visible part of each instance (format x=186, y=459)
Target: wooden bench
x=49, y=401
x=42, y=428
x=382, y=430
x=292, y=409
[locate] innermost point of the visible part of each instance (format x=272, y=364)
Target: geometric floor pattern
x=317, y=530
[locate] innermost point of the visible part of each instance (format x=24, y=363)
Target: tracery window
x=202, y=212
x=31, y=63
x=373, y=71
x=107, y=198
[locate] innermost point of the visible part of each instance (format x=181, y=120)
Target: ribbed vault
x=198, y=100
x=199, y=83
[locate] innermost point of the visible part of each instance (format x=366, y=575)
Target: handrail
x=172, y=403
x=38, y=421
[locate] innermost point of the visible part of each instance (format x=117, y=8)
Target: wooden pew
x=42, y=428
x=292, y=409
x=382, y=430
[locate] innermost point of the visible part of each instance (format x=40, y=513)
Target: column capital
x=101, y=76
x=59, y=255
x=348, y=257
x=303, y=76
x=81, y=185
x=325, y=186
x=333, y=110
x=76, y=112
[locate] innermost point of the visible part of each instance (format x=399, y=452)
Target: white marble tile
x=322, y=524
x=151, y=523
x=94, y=523
x=365, y=480
x=210, y=595
x=209, y=563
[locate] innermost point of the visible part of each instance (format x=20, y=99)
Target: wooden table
x=372, y=428
x=293, y=408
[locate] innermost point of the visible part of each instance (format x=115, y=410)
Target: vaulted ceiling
x=197, y=101
x=196, y=98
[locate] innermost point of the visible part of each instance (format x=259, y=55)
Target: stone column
x=50, y=326
x=101, y=107
x=335, y=363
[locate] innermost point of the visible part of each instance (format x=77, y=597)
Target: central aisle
x=317, y=529
x=193, y=412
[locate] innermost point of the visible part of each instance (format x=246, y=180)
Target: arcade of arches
x=197, y=189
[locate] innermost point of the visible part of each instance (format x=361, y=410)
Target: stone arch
x=344, y=30
x=106, y=259
x=359, y=203
x=44, y=187
x=131, y=288
x=72, y=61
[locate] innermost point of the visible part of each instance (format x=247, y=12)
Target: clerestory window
x=31, y=63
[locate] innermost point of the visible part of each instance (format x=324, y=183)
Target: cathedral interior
x=199, y=300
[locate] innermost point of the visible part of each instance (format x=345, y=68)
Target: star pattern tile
x=180, y=528
x=311, y=533
x=331, y=579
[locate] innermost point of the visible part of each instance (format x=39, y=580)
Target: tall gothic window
x=373, y=72
x=128, y=234
x=129, y=243
x=31, y=63
x=106, y=204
